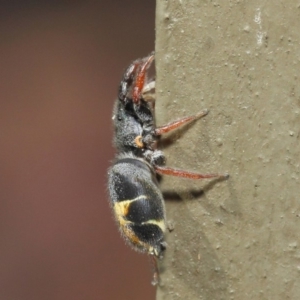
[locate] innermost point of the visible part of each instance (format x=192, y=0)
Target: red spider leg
x=186, y=174
x=140, y=79
x=173, y=125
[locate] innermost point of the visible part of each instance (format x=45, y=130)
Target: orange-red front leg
x=173, y=125
x=186, y=174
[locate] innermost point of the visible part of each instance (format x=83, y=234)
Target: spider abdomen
x=138, y=204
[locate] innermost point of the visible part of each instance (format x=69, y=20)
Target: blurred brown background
x=60, y=65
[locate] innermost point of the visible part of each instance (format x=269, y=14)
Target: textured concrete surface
x=235, y=239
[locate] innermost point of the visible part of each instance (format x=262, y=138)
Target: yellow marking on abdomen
x=160, y=223
x=121, y=208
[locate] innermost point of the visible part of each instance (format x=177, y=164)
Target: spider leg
x=148, y=94
x=141, y=78
x=186, y=174
x=155, y=279
x=148, y=87
x=178, y=123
